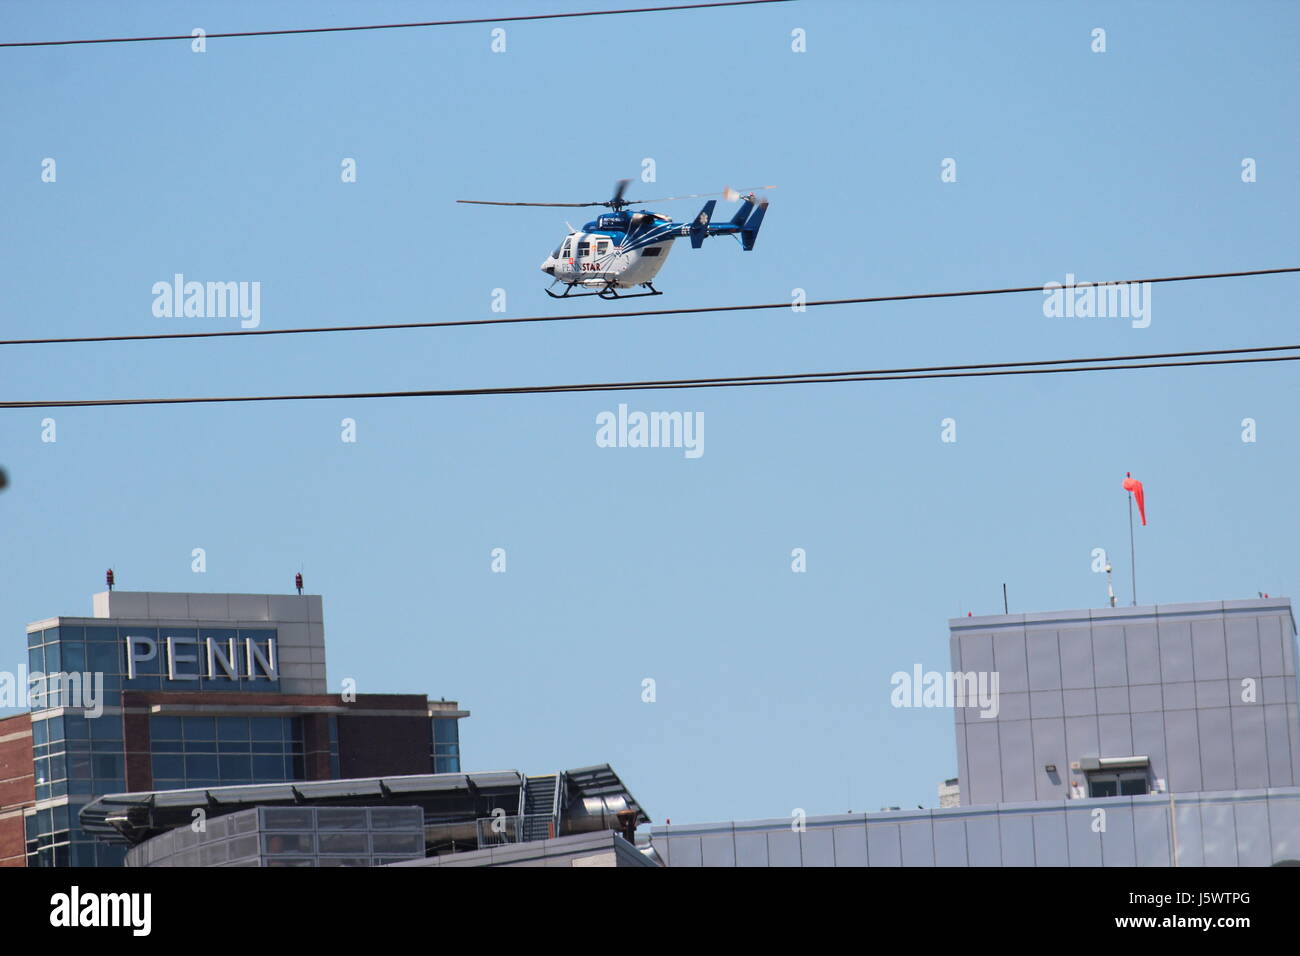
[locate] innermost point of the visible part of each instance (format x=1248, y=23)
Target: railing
x=503, y=830
x=556, y=802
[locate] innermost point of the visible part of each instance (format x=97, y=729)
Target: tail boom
x=745, y=223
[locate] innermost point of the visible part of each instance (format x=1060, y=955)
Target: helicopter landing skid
x=609, y=292
x=568, y=293
x=612, y=293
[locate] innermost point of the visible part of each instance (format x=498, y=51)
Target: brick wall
x=383, y=746
x=17, y=787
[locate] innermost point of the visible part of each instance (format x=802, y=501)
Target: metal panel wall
x=1188, y=685
x=1234, y=828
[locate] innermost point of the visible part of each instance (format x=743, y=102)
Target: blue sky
x=625, y=564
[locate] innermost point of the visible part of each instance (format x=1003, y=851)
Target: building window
x=335, y=772
x=48, y=833
x=219, y=751
x=444, y=744
x=1118, y=783
x=74, y=754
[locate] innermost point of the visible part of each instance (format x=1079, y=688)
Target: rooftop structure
x=173, y=691
x=458, y=813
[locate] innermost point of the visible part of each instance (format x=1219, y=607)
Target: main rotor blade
x=490, y=202
x=729, y=193
x=619, y=189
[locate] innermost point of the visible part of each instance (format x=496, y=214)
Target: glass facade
x=221, y=751
x=55, y=839
x=102, y=650
x=77, y=756
x=74, y=756
x=444, y=744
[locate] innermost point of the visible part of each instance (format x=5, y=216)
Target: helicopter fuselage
x=622, y=250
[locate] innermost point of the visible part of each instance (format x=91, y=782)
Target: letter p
x=134, y=655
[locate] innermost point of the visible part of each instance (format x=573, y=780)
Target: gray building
x=1146, y=736
x=1181, y=697
x=1232, y=828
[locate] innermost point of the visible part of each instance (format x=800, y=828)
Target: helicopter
x=625, y=249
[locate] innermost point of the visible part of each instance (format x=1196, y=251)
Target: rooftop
x=445, y=798
x=1147, y=611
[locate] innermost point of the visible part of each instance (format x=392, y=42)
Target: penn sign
x=189, y=658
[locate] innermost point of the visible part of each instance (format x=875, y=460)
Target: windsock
x=1134, y=486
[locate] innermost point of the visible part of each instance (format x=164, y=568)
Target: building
x=1151, y=736
x=168, y=691
x=1146, y=736
x=582, y=817
x=1181, y=698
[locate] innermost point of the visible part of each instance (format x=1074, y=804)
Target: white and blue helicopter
x=624, y=249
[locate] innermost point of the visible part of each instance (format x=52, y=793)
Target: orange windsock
x=1131, y=484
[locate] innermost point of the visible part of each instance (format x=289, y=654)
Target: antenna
x=1110, y=585
x=1004, y=598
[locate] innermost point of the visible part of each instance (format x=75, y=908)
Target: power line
x=403, y=26
x=815, y=378
x=902, y=372
x=388, y=326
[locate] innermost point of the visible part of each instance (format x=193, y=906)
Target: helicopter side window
x=583, y=248
x=564, y=252
x=602, y=247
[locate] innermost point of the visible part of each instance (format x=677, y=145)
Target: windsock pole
x=1132, y=550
